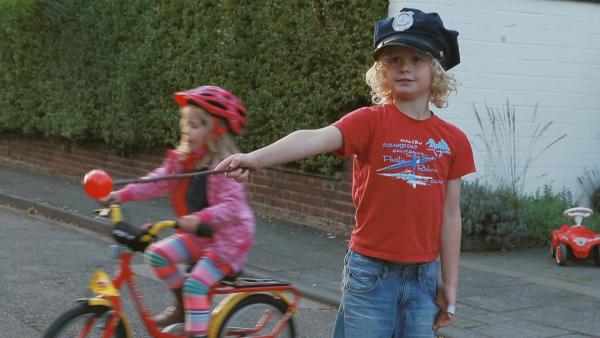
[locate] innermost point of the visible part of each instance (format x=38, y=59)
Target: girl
x=216, y=225
x=407, y=167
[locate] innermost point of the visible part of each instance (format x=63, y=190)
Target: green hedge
x=494, y=219
x=105, y=70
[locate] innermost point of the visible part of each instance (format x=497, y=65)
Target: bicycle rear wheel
x=256, y=315
x=81, y=318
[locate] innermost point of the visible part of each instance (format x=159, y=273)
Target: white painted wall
x=544, y=52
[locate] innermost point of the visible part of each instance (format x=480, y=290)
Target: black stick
x=170, y=177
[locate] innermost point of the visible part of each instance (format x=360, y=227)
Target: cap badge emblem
x=403, y=21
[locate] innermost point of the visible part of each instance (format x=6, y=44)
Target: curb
x=33, y=207
x=103, y=228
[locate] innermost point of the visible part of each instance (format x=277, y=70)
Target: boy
x=407, y=166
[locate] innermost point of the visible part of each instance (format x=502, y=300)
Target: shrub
x=593, y=223
x=595, y=199
x=590, y=182
x=543, y=212
x=495, y=219
x=492, y=219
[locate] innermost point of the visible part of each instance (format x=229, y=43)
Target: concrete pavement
x=520, y=293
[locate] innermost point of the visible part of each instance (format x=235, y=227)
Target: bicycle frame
x=108, y=295
x=237, y=294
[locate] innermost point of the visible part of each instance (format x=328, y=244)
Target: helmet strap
x=218, y=128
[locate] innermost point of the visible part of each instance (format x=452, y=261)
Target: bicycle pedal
x=177, y=329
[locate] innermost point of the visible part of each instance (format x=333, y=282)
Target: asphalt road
x=45, y=265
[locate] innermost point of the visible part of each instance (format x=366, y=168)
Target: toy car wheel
x=552, y=251
x=596, y=254
x=562, y=254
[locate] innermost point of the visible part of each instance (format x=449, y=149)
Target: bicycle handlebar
x=159, y=227
x=138, y=238
x=133, y=236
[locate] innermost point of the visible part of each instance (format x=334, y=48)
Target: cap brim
x=408, y=40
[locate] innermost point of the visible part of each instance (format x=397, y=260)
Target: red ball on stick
x=97, y=184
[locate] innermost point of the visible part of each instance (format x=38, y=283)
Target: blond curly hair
x=442, y=85
x=219, y=147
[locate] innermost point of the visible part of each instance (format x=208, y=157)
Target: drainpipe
x=395, y=6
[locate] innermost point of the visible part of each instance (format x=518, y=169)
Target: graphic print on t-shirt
x=412, y=161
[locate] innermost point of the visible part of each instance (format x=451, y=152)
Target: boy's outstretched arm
x=450, y=251
x=295, y=146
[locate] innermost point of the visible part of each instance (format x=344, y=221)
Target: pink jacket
x=228, y=212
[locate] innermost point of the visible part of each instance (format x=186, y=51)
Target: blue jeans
x=384, y=299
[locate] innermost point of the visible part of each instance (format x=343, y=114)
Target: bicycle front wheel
x=84, y=320
x=256, y=316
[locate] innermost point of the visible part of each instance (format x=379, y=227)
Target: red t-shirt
x=401, y=166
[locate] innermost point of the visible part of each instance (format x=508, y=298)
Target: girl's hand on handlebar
x=112, y=198
x=188, y=223
x=191, y=223
x=146, y=227
x=239, y=164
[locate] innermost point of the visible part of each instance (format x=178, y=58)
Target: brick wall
x=321, y=202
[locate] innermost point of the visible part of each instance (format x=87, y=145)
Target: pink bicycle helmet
x=219, y=103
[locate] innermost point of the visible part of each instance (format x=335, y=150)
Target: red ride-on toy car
x=575, y=241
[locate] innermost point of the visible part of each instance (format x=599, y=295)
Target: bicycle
x=251, y=308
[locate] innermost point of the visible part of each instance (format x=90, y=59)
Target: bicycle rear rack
x=244, y=282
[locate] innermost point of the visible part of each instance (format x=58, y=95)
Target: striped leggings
x=163, y=257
